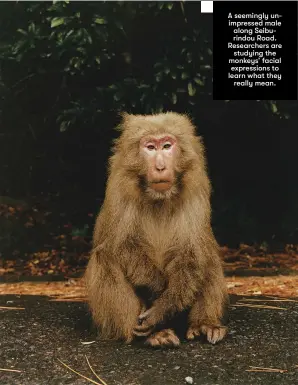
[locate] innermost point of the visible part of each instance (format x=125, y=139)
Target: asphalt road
x=32, y=340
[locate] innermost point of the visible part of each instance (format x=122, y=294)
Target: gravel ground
x=33, y=339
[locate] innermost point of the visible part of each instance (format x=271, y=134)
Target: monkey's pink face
x=160, y=153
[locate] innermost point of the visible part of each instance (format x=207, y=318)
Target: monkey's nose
x=160, y=167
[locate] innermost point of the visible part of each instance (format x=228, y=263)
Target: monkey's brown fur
x=163, y=243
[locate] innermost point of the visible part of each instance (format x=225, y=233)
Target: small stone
x=176, y=367
x=189, y=380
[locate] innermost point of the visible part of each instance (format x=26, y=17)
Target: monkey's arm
x=184, y=279
x=131, y=254
x=139, y=268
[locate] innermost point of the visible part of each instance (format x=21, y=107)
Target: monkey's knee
x=115, y=312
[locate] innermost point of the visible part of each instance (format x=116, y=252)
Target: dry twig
x=95, y=374
x=266, y=370
x=267, y=300
x=74, y=299
x=258, y=306
x=79, y=374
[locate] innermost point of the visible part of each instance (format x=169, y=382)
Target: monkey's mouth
x=161, y=185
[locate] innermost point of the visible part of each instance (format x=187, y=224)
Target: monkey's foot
x=213, y=333
x=163, y=338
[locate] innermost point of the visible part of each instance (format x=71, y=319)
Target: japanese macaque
x=154, y=254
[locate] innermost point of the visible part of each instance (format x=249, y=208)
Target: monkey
x=154, y=254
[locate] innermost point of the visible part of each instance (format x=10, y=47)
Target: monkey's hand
x=146, y=322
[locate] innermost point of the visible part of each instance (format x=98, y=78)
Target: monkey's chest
x=160, y=236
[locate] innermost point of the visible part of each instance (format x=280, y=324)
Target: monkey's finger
x=142, y=328
x=142, y=334
x=144, y=315
x=140, y=321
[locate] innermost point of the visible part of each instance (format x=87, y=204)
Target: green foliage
x=97, y=57
x=96, y=46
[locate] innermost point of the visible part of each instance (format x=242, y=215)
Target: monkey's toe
x=214, y=334
x=193, y=332
x=163, y=338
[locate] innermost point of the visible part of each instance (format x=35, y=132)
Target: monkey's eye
x=150, y=147
x=167, y=146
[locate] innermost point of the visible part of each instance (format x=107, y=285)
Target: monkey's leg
x=163, y=338
x=180, y=293
x=112, y=300
x=206, y=314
